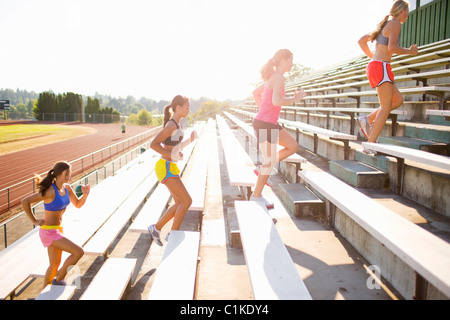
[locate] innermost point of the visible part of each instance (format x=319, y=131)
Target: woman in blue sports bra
x=379, y=70
x=169, y=143
x=56, y=194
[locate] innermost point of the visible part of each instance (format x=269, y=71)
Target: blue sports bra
x=59, y=203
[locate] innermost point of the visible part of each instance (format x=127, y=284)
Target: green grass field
x=22, y=136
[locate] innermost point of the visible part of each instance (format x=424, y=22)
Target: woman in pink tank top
x=270, y=97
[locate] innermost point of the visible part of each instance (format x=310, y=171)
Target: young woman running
x=270, y=97
x=169, y=143
x=57, y=194
x=379, y=69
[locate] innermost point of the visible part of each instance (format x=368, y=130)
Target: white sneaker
x=263, y=201
x=167, y=237
x=155, y=234
x=365, y=126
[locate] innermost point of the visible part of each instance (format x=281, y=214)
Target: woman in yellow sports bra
x=56, y=194
x=379, y=70
x=169, y=143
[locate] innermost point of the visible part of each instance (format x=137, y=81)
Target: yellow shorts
x=165, y=169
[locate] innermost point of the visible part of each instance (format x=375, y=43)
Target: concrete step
x=432, y=132
x=439, y=120
x=300, y=200
x=419, y=144
x=358, y=174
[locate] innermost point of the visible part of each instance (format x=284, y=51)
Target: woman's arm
x=394, y=47
x=26, y=205
x=364, y=46
x=78, y=202
x=278, y=98
x=160, y=137
x=191, y=139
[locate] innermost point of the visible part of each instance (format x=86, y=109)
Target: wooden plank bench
x=17, y=260
x=404, y=153
x=111, y=280
x=99, y=244
x=393, y=115
x=438, y=91
x=53, y=292
x=239, y=164
x=356, y=82
x=196, y=185
x=152, y=210
x=272, y=272
x=176, y=273
x=427, y=254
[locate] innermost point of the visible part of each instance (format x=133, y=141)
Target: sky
x=159, y=49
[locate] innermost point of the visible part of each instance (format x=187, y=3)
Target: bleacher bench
x=239, y=164
x=53, y=292
x=439, y=91
x=176, y=273
x=393, y=115
x=426, y=254
x=404, y=153
x=99, y=244
x=111, y=280
x=443, y=113
x=272, y=272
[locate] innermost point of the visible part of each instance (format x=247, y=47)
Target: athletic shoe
x=155, y=234
x=59, y=283
x=257, y=170
x=263, y=201
x=365, y=126
x=369, y=152
x=167, y=237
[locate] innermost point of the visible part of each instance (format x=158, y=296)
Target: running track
x=21, y=165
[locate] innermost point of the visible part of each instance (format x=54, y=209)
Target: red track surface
x=21, y=165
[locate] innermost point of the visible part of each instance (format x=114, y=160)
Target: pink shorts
x=48, y=234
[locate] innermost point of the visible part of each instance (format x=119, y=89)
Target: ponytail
x=170, y=109
x=380, y=26
x=167, y=113
x=397, y=8
x=44, y=184
x=269, y=68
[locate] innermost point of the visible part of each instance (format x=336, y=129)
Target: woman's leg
x=288, y=142
x=76, y=252
x=182, y=204
x=54, y=257
x=385, y=96
x=269, y=154
x=397, y=101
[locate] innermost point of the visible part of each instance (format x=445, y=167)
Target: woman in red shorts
x=379, y=70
